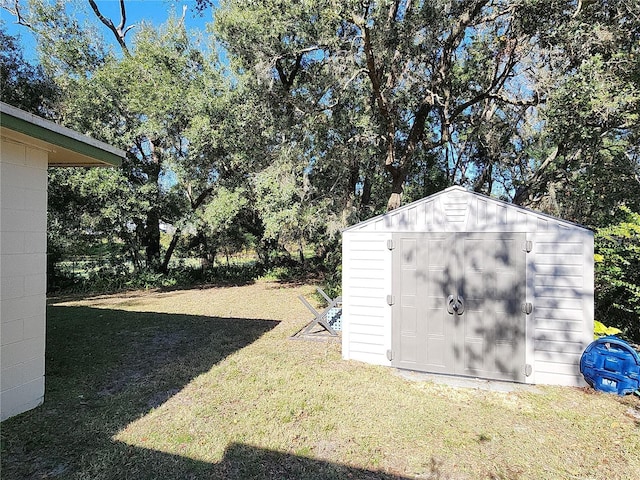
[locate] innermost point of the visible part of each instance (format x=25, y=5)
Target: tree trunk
x=152, y=226
x=152, y=239
x=169, y=253
x=365, y=200
x=397, y=187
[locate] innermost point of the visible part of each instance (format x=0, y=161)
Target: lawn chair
x=321, y=319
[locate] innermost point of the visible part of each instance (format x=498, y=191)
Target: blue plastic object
x=610, y=364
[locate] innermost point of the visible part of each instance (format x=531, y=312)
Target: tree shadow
x=106, y=368
x=242, y=462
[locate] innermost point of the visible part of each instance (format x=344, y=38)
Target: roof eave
x=66, y=147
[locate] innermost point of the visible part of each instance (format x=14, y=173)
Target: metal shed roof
x=66, y=147
x=456, y=209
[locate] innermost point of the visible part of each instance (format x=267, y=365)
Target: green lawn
x=206, y=383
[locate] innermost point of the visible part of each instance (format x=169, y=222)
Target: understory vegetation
x=252, y=142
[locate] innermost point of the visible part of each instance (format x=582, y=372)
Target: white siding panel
x=560, y=333
x=361, y=309
x=367, y=328
x=553, y=259
x=552, y=347
x=370, y=291
x=566, y=373
x=563, y=319
x=367, y=339
x=575, y=304
x=368, y=265
x=542, y=224
x=363, y=321
x=559, y=281
x=550, y=291
x=368, y=357
x=364, y=255
x=562, y=324
x=366, y=282
x=560, y=270
x=480, y=217
x=558, y=315
x=560, y=248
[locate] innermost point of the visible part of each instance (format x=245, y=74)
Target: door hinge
x=527, y=246
x=389, y=355
x=527, y=308
x=391, y=299
x=390, y=245
x=528, y=370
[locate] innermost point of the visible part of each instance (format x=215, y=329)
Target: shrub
x=617, y=270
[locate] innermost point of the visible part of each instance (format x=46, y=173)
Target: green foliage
x=617, y=264
x=21, y=84
x=328, y=113
x=589, y=63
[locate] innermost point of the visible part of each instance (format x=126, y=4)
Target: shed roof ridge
x=469, y=194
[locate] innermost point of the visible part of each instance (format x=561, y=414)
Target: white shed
x=463, y=284
x=29, y=145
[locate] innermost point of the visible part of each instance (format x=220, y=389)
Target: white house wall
x=23, y=247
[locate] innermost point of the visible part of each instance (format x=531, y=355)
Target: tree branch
x=117, y=31
x=20, y=19
x=287, y=80
x=523, y=191
x=378, y=94
x=341, y=91
x=201, y=198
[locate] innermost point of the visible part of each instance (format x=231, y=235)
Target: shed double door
x=458, y=304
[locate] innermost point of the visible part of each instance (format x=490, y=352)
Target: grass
x=206, y=383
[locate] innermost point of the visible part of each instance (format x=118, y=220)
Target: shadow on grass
x=240, y=462
x=106, y=369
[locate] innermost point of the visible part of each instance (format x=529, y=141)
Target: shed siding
x=23, y=250
x=563, y=304
x=559, y=279
x=366, y=283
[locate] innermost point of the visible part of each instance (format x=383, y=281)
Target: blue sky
x=150, y=11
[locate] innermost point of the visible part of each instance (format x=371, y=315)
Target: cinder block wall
x=23, y=251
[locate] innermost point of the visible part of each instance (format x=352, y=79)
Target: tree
x=618, y=273
x=585, y=151
x=329, y=112
x=163, y=101
x=425, y=73
x=21, y=84
x=88, y=210
x=291, y=76
x=516, y=99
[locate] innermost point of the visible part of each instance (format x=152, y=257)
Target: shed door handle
x=450, y=302
x=455, y=305
x=459, y=305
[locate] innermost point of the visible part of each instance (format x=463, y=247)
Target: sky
x=150, y=11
